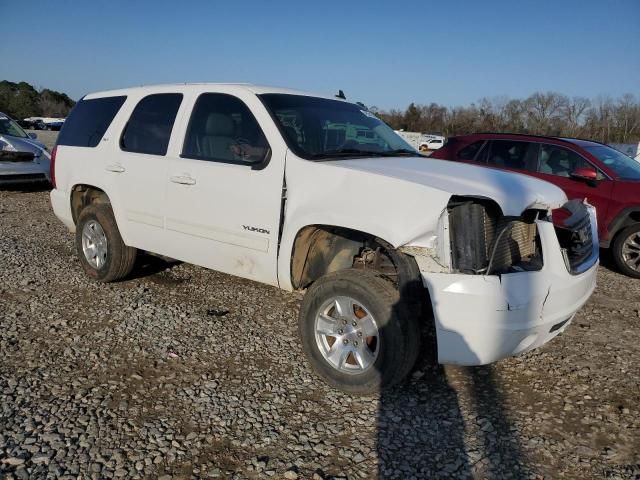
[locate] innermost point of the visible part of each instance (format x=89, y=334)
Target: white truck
x=316, y=194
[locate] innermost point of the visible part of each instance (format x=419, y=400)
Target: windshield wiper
x=346, y=152
x=400, y=151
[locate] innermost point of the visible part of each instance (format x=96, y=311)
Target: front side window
x=149, y=128
x=89, y=120
x=623, y=166
x=510, y=154
x=318, y=128
x=9, y=127
x=559, y=161
x=223, y=129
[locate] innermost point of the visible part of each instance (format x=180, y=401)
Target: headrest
x=557, y=156
x=219, y=125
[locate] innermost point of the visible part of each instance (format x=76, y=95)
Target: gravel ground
x=183, y=372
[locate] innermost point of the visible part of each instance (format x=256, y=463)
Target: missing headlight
x=483, y=241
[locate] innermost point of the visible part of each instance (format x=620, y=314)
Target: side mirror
x=33, y=135
x=589, y=174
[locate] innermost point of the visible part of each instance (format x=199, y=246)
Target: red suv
x=608, y=179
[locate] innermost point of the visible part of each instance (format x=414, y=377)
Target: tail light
x=52, y=166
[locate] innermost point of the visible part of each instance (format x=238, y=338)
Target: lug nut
x=355, y=344
x=344, y=322
x=345, y=341
x=359, y=334
x=340, y=331
x=354, y=324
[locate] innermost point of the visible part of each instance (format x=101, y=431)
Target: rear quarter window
x=88, y=121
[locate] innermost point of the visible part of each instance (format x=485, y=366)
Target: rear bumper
x=482, y=319
x=61, y=205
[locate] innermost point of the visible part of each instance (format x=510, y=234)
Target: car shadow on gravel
x=446, y=422
x=29, y=188
x=153, y=266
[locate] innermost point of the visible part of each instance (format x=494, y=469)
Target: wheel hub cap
x=631, y=251
x=94, y=244
x=347, y=335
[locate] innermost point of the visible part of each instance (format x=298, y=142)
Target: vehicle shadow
x=148, y=265
x=606, y=260
x=28, y=188
x=446, y=422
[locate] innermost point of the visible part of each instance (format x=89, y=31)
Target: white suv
x=311, y=193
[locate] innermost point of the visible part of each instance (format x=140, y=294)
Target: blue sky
x=383, y=53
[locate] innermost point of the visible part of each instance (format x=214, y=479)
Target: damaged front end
x=484, y=242
x=502, y=285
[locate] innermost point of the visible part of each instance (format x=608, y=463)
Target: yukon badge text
x=256, y=229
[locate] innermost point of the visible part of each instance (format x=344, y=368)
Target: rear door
x=138, y=169
x=225, y=187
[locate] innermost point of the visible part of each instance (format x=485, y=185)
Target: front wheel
x=103, y=254
x=626, y=251
x=357, y=332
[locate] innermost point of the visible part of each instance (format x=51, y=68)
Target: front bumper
x=13, y=173
x=482, y=319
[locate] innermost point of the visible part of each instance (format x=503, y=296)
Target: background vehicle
x=317, y=194
x=607, y=178
x=23, y=159
x=45, y=123
x=431, y=144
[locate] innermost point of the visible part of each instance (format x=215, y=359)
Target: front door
x=225, y=188
x=556, y=164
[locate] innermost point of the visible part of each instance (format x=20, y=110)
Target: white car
x=316, y=194
x=431, y=144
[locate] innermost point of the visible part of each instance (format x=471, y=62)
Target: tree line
x=22, y=100
x=603, y=119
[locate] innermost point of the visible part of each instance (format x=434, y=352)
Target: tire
x=392, y=354
x=618, y=251
x=113, y=260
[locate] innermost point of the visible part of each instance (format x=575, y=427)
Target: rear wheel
x=356, y=331
x=626, y=251
x=103, y=254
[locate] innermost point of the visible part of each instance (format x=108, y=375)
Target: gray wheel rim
x=347, y=335
x=631, y=251
x=94, y=244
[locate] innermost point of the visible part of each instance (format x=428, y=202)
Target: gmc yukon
x=316, y=194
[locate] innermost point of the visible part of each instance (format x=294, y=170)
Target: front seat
x=219, y=135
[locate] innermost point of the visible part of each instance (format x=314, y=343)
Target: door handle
x=114, y=168
x=183, y=180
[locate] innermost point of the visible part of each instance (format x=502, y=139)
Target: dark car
x=607, y=178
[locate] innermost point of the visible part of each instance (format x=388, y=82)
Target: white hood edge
x=513, y=192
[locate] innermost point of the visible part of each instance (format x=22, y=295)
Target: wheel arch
x=628, y=216
x=321, y=249
x=82, y=195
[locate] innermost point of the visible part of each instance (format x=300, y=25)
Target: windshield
x=624, y=167
x=9, y=127
x=318, y=128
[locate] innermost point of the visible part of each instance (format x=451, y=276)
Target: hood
x=514, y=192
x=26, y=144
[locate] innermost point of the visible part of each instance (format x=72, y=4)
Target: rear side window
x=89, y=120
x=149, y=128
x=223, y=129
x=469, y=152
